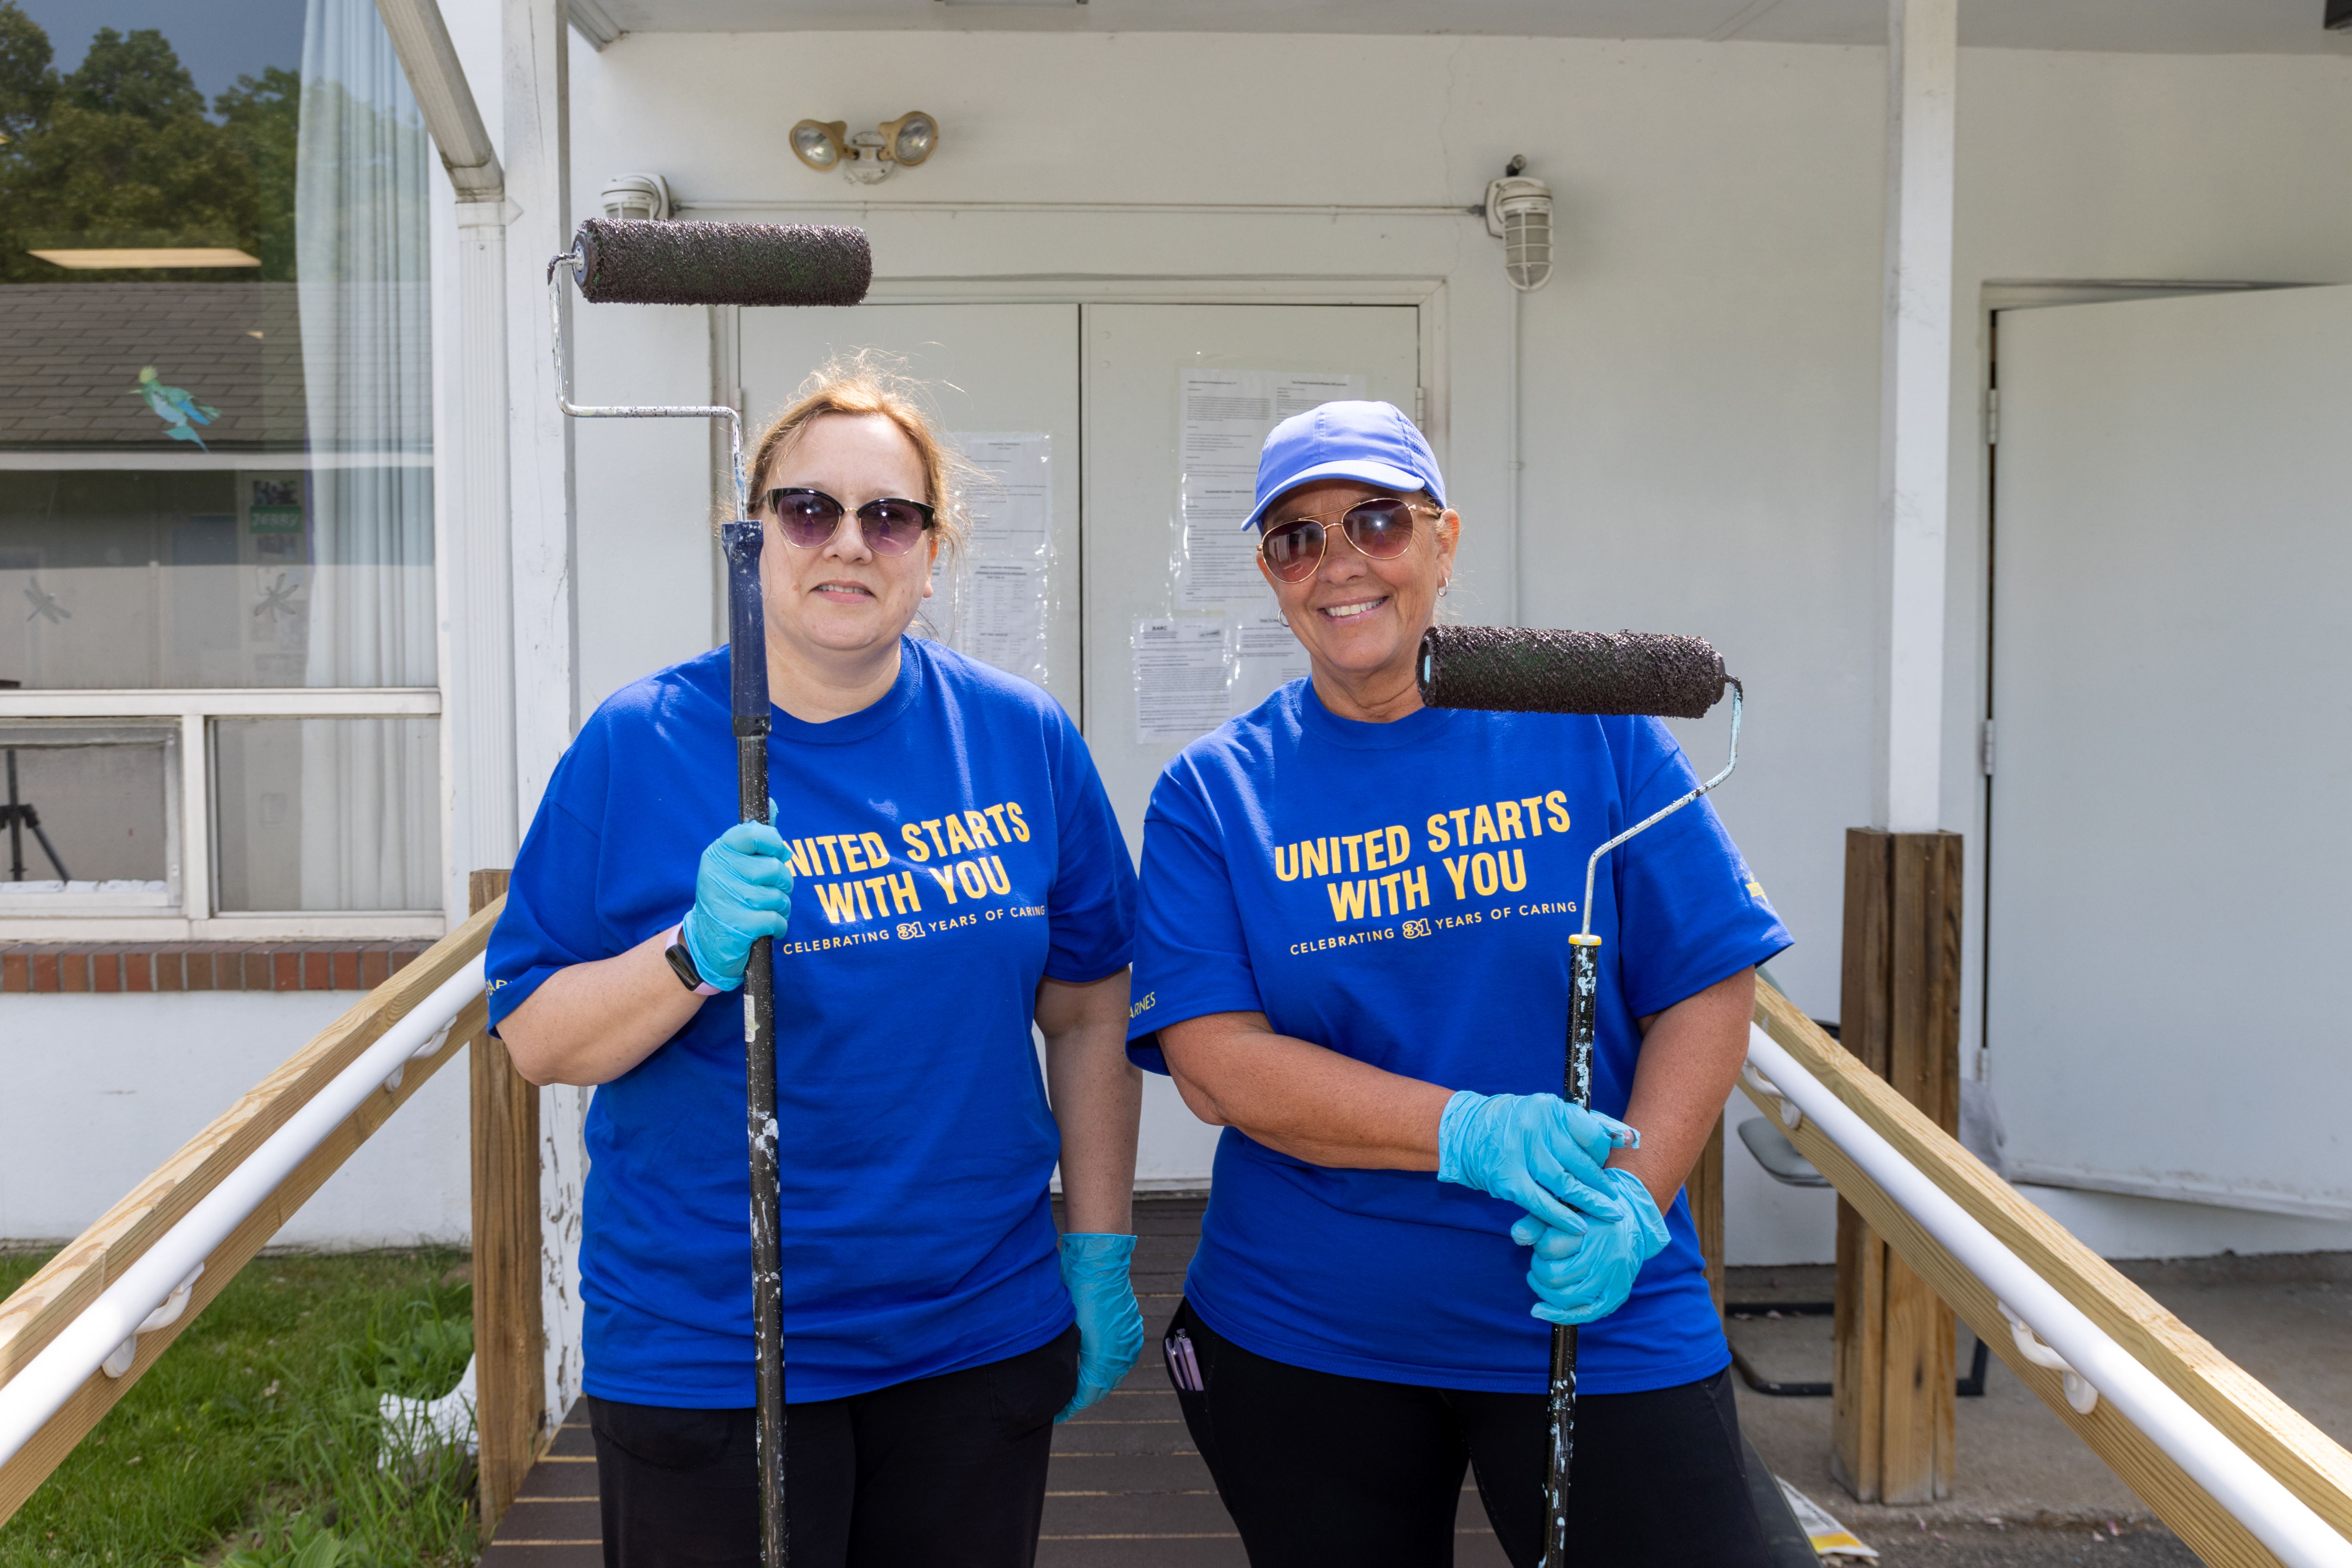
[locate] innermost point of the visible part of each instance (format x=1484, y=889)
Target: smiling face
x=1361, y=620
x=840, y=600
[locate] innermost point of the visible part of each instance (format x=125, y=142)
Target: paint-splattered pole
x=747, y=657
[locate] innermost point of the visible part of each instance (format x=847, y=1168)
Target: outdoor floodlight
x=867, y=157
x=909, y=140
x=820, y=143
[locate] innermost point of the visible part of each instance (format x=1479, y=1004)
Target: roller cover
x=628, y=262
x=1516, y=669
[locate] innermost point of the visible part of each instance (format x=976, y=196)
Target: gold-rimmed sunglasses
x=1380, y=529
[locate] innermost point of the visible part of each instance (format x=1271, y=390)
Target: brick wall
x=202, y=966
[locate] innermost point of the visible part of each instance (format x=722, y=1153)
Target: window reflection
x=216, y=452
x=220, y=475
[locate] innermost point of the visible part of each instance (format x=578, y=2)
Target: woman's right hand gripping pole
x=1538, y=1151
x=743, y=892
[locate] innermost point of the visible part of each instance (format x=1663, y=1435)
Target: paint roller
x=1513, y=669
x=621, y=261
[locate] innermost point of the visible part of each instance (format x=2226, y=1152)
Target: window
x=218, y=698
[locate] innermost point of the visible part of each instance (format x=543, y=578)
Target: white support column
x=1915, y=408
x=539, y=175
x=479, y=581
x=538, y=178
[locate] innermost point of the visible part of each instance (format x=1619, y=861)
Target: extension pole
x=747, y=660
x=1583, y=984
x=1583, y=988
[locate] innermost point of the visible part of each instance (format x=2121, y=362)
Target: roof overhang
x=2150, y=26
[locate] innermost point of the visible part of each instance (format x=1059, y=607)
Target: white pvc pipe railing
x=2274, y=1515
x=152, y=1291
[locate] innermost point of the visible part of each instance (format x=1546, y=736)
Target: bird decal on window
x=45, y=604
x=180, y=412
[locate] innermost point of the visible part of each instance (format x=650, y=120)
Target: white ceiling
x=2152, y=26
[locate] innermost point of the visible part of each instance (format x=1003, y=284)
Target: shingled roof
x=70, y=356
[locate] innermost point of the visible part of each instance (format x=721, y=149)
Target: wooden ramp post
x=510, y=1396
x=1705, y=1187
x=1892, y=1426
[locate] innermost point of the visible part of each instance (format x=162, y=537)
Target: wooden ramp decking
x=1126, y=1489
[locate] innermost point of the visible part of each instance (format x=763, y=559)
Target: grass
x=255, y=1442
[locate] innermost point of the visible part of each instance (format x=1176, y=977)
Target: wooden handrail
x=2306, y=1460
x=40, y=1309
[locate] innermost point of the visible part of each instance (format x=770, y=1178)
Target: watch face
x=681, y=964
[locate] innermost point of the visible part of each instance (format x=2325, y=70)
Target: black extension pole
x=1583, y=983
x=747, y=660
x=1516, y=669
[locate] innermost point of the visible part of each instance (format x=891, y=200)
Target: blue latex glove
x=1110, y=1323
x=743, y=892
x=1581, y=1275
x=1536, y=1151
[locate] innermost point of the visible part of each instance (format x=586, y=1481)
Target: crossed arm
x=1235, y=1071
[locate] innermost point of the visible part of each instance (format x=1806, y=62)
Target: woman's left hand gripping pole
x=747, y=655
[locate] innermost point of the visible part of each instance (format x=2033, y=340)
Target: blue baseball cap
x=1373, y=442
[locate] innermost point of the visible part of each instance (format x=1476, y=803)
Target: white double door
x=1114, y=441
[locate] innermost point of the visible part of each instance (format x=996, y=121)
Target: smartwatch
x=681, y=964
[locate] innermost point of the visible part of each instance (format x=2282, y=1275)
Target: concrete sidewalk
x=2286, y=1320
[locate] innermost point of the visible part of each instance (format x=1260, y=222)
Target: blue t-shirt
x=951, y=846
x=1403, y=894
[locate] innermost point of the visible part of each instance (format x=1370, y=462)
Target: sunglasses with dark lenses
x=1378, y=529
x=808, y=518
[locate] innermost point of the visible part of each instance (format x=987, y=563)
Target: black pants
x=1318, y=1469
x=942, y=1469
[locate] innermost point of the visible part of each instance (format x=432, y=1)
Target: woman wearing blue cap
x=1351, y=955
x=943, y=872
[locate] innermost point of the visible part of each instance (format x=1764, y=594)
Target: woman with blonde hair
x=942, y=870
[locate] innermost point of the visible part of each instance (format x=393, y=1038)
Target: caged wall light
x=637, y=196
x=867, y=157
x=1518, y=213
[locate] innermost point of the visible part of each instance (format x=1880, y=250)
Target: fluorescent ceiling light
x=141, y=257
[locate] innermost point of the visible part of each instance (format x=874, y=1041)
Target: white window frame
x=194, y=710
x=48, y=906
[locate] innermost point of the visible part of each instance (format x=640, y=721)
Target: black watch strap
x=681, y=964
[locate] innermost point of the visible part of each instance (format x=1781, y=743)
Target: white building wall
x=1700, y=378
x=102, y=1089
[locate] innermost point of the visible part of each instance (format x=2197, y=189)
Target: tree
x=263, y=119
x=139, y=76
x=120, y=152
x=29, y=84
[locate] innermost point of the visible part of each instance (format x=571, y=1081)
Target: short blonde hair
x=864, y=382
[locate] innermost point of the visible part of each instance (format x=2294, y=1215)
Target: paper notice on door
x=1267, y=657
x=998, y=608
x=1179, y=677
x=1004, y=617
x=1224, y=417
x=1011, y=501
